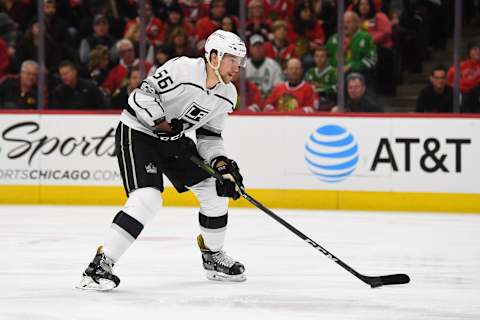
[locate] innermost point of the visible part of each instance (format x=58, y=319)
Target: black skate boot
x=99, y=275
x=219, y=265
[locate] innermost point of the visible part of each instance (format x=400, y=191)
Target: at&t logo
x=331, y=153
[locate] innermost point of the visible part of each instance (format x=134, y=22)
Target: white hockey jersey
x=178, y=90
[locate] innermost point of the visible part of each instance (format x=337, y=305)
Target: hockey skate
x=219, y=266
x=99, y=275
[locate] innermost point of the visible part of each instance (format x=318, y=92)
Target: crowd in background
x=92, y=51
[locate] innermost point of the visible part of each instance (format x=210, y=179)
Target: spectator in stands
x=175, y=18
x=324, y=79
x=133, y=34
x=162, y=54
x=358, y=100
x=4, y=59
x=376, y=23
x=206, y=25
x=263, y=71
x=228, y=24
x=153, y=25
x=194, y=10
x=98, y=64
x=437, y=96
x=75, y=93
x=257, y=23
x=471, y=101
x=179, y=43
x=326, y=13
x=116, y=12
x=9, y=35
x=21, y=12
x=58, y=29
x=27, y=48
x=469, y=69
x=278, y=9
x=101, y=36
x=305, y=30
x=279, y=49
x=20, y=92
x=293, y=94
x=120, y=97
x=128, y=60
x=253, y=97
x=435, y=13
x=164, y=8
x=360, y=51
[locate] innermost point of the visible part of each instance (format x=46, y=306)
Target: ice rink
x=46, y=248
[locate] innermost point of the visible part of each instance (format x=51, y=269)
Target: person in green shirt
x=360, y=50
x=324, y=78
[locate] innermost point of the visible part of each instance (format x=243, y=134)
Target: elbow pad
x=147, y=108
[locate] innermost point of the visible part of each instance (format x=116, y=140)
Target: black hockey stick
x=374, y=282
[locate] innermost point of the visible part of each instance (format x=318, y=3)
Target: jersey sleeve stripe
x=134, y=100
x=206, y=127
x=182, y=83
x=203, y=133
x=161, y=107
x=226, y=99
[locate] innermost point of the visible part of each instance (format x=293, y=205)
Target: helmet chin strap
x=215, y=69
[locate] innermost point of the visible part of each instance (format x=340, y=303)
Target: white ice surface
x=45, y=249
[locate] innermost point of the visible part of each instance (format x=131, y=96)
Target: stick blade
x=391, y=279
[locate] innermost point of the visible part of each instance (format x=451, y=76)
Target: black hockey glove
x=233, y=180
x=172, y=131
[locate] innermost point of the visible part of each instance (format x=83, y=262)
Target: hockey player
x=183, y=95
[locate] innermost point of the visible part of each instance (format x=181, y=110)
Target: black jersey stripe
x=208, y=133
x=135, y=100
x=194, y=84
x=226, y=99
x=182, y=83
x=130, y=110
x=128, y=223
x=123, y=156
x=212, y=222
x=158, y=102
x=120, y=156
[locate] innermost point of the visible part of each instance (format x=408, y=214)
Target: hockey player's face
x=229, y=66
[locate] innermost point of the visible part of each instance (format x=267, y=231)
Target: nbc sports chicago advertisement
x=286, y=159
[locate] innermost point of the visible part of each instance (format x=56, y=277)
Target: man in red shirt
x=469, y=69
x=293, y=94
x=118, y=74
x=207, y=25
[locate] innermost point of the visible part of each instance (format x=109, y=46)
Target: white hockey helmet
x=225, y=42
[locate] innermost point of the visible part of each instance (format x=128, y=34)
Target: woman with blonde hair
x=133, y=34
x=99, y=64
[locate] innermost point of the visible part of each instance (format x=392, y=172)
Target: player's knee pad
x=211, y=205
x=143, y=204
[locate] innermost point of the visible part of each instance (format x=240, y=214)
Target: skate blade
x=87, y=283
x=218, y=276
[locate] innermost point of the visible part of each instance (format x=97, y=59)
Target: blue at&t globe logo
x=331, y=153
